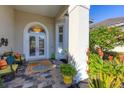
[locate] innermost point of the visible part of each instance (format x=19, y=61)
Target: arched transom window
x=36, y=29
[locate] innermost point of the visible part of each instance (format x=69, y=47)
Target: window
x=61, y=29
x=36, y=29
x=32, y=42
x=61, y=37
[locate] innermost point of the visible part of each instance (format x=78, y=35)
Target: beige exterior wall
x=12, y=24
x=79, y=38
x=24, y=18
x=7, y=27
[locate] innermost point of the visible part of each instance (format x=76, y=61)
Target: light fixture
x=37, y=29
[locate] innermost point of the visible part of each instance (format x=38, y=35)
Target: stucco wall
x=24, y=18
x=78, y=39
x=7, y=27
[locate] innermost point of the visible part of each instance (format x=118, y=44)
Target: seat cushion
x=18, y=59
x=8, y=69
x=3, y=64
x=10, y=59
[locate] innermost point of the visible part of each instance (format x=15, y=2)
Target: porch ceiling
x=45, y=10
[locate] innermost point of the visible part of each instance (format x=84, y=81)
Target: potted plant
x=65, y=56
x=68, y=72
x=53, y=56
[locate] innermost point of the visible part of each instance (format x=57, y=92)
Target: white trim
x=25, y=37
x=66, y=27
x=57, y=38
x=73, y=7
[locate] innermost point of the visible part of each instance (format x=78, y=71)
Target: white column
x=79, y=39
x=65, y=33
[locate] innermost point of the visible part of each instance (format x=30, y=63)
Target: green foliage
x=1, y=82
x=97, y=64
x=106, y=38
x=105, y=73
x=104, y=80
x=68, y=70
x=53, y=56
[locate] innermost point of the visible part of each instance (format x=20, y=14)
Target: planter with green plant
x=53, y=56
x=68, y=72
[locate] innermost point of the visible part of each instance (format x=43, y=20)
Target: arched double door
x=35, y=43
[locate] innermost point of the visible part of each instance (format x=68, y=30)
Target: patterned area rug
x=38, y=67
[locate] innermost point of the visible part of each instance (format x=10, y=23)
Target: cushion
x=3, y=64
x=8, y=69
x=22, y=58
x=18, y=60
x=10, y=59
x=17, y=55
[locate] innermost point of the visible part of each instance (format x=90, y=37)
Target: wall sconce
x=4, y=42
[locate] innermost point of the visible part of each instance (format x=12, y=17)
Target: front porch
x=48, y=79
x=45, y=32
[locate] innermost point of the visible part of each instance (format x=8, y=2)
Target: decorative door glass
x=41, y=46
x=32, y=45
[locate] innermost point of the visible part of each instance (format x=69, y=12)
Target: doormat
x=38, y=67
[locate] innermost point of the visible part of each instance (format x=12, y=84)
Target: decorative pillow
x=3, y=64
x=17, y=55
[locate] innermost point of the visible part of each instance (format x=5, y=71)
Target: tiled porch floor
x=49, y=79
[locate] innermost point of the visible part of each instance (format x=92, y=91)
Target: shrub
x=106, y=38
x=103, y=80
x=110, y=71
x=105, y=73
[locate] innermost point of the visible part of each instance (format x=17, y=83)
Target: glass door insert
x=32, y=45
x=41, y=46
